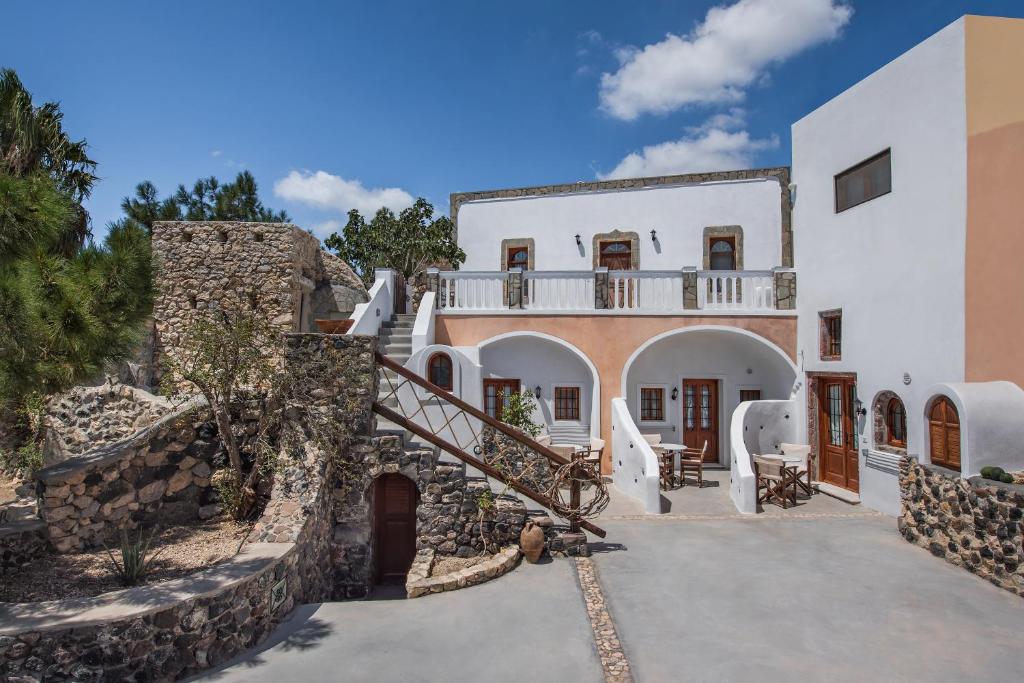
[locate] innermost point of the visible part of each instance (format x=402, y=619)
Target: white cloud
x=216, y=153
x=726, y=53
x=712, y=146
x=324, y=190
x=326, y=228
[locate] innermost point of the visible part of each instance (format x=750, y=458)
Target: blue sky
x=341, y=105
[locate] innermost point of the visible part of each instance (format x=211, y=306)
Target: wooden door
x=616, y=255
x=496, y=393
x=944, y=434
x=394, y=520
x=700, y=416
x=838, y=431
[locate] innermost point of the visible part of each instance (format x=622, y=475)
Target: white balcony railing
x=720, y=290
x=558, y=290
x=469, y=291
x=648, y=291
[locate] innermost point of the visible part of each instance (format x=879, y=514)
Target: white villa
x=866, y=302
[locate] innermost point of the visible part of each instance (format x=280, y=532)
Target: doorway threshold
x=837, y=492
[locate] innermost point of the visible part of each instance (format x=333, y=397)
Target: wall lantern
x=675, y=393
x=859, y=407
x=536, y=391
x=579, y=243
x=654, y=235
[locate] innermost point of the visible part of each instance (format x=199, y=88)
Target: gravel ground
x=182, y=550
x=447, y=565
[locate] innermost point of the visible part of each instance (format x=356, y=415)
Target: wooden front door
x=700, y=416
x=394, y=519
x=838, y=431
x=496, y=393
x=616, y=255
x=944, y=434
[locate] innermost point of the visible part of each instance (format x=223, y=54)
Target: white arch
x=595, y=401
x=699, y=328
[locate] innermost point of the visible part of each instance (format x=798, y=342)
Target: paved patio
x=823, y=592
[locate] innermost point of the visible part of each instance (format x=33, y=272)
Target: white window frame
x=577, y=385
x=666, y=391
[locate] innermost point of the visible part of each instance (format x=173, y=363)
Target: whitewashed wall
x=706, y=354
x=894, y=265
x=757, y=428
x=679, y=214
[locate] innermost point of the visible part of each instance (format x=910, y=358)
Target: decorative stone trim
x=780, y=173
x=527, y=242
x=689, y=289
x=617, y=236
x=973, y=523
x=501, y=563
x=733, y=231
x=784, y=285
x=823, y=334
x=609, y=648
x=601, y=300
x=880, y=428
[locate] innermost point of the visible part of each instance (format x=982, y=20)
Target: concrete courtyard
x=822, y=592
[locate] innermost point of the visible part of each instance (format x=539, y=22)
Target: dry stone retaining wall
x=972, y=523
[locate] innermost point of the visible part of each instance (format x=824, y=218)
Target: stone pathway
x=606, y=638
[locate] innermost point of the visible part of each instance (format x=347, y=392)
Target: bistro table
x=672, y=450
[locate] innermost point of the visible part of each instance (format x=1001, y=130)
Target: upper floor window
x=865, y=181
x=831, y=335
x=519, y=257
x=723, y=253
x=439, y=370
x=617, y=255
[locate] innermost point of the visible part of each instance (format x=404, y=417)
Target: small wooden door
x=496, y=393
x=700, y=416
x=944, y=434
x=394, y=520
x=616, y=255
x=838, y=429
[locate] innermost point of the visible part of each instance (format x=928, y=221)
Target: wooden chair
x=692, y=459
x=595, y=452
x=803, y=475
x=775, y=482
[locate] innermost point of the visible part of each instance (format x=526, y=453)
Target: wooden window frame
x=451, y=370
x=887, y=152
x=826, y=342
x=948, y=462
x=731, y=241
x=663, y=419
x=744, y=390
x=889, y=431
x=555, y=402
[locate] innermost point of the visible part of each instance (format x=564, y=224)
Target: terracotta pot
x=531, y=542
x=334, y=326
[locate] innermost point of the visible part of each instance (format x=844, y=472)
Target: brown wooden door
x=496, y=392
x=700, y=416
x=944, y=434
x=394, y=502
x=616, y=255
x=838, y=429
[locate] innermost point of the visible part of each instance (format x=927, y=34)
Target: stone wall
x=163, y=469
x=86, y=418
x=277, y=267
x=972, y=523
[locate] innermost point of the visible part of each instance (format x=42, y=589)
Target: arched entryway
x=394, y=527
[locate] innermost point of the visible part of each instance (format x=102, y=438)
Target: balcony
x=625, y=292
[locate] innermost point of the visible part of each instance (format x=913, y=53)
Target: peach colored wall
x=994, y=269
x=607, y=340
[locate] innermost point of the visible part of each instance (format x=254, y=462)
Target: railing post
x=574, y=493
x=601, y=300
x=690, y=288
x=434, y=285
x=784, y=288
x=514, y=288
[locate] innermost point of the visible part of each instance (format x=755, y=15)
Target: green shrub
x=23, y=461
x=1007, y=478
x=987, y=472
x=518, y=412
x=229, y=491
x=136, y=560
x=997, y=473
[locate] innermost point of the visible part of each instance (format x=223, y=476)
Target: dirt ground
x=181, y=550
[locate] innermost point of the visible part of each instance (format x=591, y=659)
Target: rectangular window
x=652, y=404
x=750, y=395
x=865, y=181
x=831, y=335
x=567, y=403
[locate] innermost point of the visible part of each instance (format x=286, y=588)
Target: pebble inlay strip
x=609, y=647
x=669, y=517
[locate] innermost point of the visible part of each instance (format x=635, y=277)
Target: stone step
x=397, y=325
x=391, y=338
x=398, y=349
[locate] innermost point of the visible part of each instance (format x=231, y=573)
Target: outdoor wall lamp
x=536, y=391
x=675, y=393
x=579, y=243
x=859, y=407
x=654, y=235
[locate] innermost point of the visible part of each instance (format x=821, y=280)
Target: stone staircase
x=396, y=344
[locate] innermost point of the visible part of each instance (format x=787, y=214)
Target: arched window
x=723, y=254
x=439, y=370
x=944, y=433
x=896, y=423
